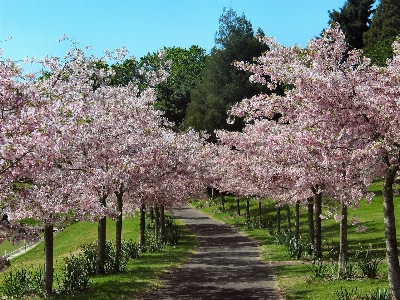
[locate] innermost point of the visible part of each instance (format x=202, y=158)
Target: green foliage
x=75, y=276
x=379, y=294
x=368, y=264
x=354, y=20
x=89, y=256
x=222, y=85
x=344, y=294
x=20, y=283
x=385, y=27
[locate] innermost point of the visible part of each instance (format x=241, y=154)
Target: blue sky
x=148, y=25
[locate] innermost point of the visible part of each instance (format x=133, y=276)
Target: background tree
x=385, y=27
x=184, y=67
x=222, y=84
x=354, y=19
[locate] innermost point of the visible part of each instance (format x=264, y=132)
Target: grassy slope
x=142, y=274
x=295, y=280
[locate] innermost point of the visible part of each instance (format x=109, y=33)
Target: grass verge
x=142, y=274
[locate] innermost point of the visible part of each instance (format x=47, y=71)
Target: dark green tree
x=354, y=19
x=222, y=85
x=385, y=27
x=184, y=67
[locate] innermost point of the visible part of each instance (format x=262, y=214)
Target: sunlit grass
x=142, y=274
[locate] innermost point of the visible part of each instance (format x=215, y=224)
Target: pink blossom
x=361, y=229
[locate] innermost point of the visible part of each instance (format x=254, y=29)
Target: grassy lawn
x=294, y=277
x=142, y=274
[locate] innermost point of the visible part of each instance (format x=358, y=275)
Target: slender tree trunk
x=156, y=223
x=101, y=240
x=318, y=225
x=259, y=214
x=48, y=254
x=142, y=239
x=310, y=212
x=118, y=228
x=151, y=213
x=247, y=210
x=223, y=202
x=238, y=205
x=162, y=223
x=278, y=219
x=343, y=251
x=289, y=223
x=392, y=254
x=297, y=221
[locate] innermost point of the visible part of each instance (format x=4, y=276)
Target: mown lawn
x=141, y=276
x=295, y=279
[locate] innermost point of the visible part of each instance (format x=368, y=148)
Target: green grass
x=294, y=278
x=142, y=275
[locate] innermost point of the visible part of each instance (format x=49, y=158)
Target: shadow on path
x=226, y=265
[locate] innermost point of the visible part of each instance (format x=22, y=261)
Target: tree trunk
x=392, y=254
x=118, y=228
x=318, y=225
x=223, y=202
x=289, y=223
x=343, y=251
x=156, y=223
x=278, y=219
x=48, y=254
x=238, y=206
x=162, y=223
x=247, y=210
x=260, y=214
x=142, y=239
x=310, y=212
x=297, y=221
x=101, y=240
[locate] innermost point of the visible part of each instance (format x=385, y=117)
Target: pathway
x=226, y=265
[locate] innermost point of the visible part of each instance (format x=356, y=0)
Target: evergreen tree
x=354, y=20
x=385, y=27
x=222, y=84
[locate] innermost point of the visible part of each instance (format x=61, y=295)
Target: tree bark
x=238, y=206
x=343, y=251
x=247, y=210
x=310, y=212
x=318, y=225
x=259, y=214
x=48, y=254
x=223, y=202
x=278, y=219
x=101, y=240
x=297, y=221
x=162, y=223
x=289, y=223
x=118, y=228
x=142, y=239
x=156, y=223
x=392, y=254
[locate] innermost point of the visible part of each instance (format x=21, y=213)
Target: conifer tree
x=385, y=27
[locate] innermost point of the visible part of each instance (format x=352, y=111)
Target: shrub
x=19, y=283
x=75, y=276
x=368, y=264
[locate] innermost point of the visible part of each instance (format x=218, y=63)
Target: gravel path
x=226, y=265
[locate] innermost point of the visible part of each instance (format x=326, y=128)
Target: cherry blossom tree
x=346, y=121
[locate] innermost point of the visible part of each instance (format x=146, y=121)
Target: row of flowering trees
x=74, y=147
x=337, y=131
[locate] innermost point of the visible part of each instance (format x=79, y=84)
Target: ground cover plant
x=305, y=277
x=140, y=275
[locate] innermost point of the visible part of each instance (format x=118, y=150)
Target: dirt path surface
x=226, y=265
